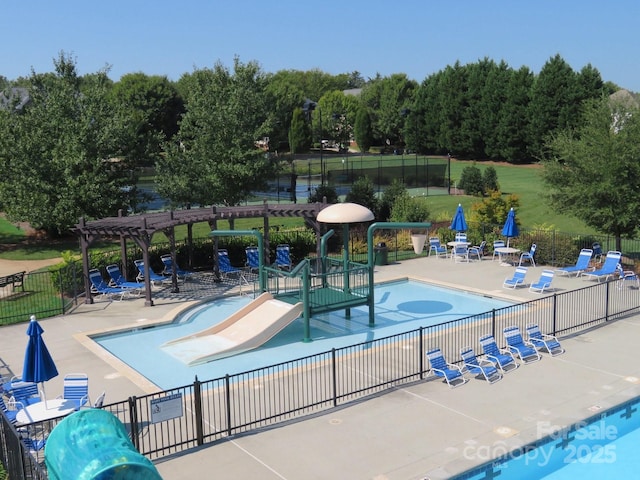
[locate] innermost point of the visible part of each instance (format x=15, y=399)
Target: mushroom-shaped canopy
x=345, y=213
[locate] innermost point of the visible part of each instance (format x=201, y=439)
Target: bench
x=16, y=280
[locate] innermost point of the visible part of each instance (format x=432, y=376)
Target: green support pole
x=306, y=276
x=345, y=264
x=372, y=228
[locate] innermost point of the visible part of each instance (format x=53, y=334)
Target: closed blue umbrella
x=38, y=364
x=459, y=224
x=510, y=228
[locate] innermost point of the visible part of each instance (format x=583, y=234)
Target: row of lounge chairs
x=495, y=361
x=117, y=287
x=609, y=268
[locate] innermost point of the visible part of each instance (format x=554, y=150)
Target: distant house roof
x=625, y=97
x=18, y=96
x=353, y=91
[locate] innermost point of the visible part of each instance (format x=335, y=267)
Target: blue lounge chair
x=283, y=257
x=225, y=267
x=608, y=269
x=477, y=251
x=597, y=252
x=543, y=341
x=503, y=359
x=168, y=268
x=480, y=368
x=154, y=277
x=10, y=414
x=25, y=394
x=582, y=264
x=460, y=253
x=516, y=345
x=76, y=389
x=99, y=286
x=497, y=244
x=461, y=237
x=528, y=256
x=437, y=248
x=517, y=280
x=544, y=283
x=626, y=277
x=118, y=280
x=440, y=368
x=253, y=259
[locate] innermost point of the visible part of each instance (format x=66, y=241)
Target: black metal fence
x=212, y=410
x=44, y=294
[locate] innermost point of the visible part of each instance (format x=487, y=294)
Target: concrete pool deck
x=418, y=431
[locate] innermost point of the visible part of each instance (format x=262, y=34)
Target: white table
x=458, y=244
x=39, y=412
x=508, y=252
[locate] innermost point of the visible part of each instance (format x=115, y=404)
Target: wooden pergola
x=141, y=228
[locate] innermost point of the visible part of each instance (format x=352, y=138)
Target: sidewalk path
x=14, y=266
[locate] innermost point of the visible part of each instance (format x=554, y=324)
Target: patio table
x=509, y=253
x=41, y=411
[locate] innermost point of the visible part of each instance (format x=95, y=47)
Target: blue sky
x=416, y=37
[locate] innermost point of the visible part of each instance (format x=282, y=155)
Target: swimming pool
x=399, y=307
x=603, y=446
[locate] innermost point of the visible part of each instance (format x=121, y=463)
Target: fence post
x=63, y=272
x=197, y=406
x=421, y=351
x=606, y=302
x=334, y=375
x=133, y=421
x=493, y=322
x=555, y=314
x=227, y=394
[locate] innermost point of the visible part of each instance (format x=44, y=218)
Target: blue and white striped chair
x=440, y=368
x=479, y=368
x=517, y=345
x=502, y=358
x=76, y=388
x=543, y=341
x=283, y=257
x=627, y=276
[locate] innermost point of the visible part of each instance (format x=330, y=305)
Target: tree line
x=74, y=146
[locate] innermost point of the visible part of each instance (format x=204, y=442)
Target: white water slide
x=248, y=328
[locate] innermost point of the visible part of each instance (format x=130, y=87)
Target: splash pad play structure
x=314, y=286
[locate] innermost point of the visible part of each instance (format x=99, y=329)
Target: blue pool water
x=399, y=307
x=603, y=447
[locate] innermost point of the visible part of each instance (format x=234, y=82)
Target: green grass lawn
x=524, y=181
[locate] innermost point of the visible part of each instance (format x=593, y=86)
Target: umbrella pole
x=44, y=396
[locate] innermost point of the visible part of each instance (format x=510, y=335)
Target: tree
x=299, y=134
x=493, y=210
x=338, y=116
x=154, y=107
x=554, y=102
x=362, y=130
x=363, y=193
x=490, y=179
x=214, y=159
x=322, y=192
x=64, y=155
x=389, y=196
x=471, y=181
x=409, y=209
x=513, y=131
x=593, y=171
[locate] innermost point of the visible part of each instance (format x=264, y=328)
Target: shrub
x=471, y=181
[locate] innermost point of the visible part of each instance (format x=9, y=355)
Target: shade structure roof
x=345, y=213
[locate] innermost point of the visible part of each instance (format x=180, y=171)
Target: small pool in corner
x=399, y=307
